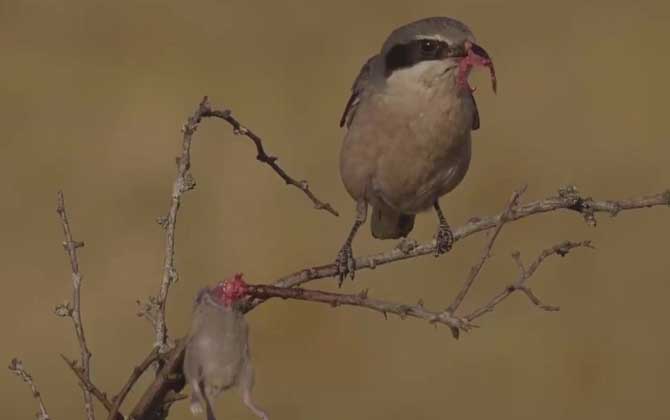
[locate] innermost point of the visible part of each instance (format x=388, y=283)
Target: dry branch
x=486, y=254
x=16, y=366
x=155, y=309
x=418, y=310
x=169, y=381
x=135, y=375
x=570, y=201
x=74, y=310
x=361, y=300
x=271, y=161
x=561, y=249
x=88, y=386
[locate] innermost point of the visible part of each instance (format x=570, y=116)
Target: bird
x=217, y=355
x=408, y=127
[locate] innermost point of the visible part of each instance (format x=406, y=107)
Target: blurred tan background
x=92, y=98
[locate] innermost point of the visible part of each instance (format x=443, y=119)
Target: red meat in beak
x=475, y=56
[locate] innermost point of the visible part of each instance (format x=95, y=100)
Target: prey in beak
x=475, y=56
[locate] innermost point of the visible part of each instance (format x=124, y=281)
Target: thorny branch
x=168, y=382
x=271, y=161
x=561, y=249
x=183, y=182
x=486, y=254
x=418, y=310
x=16, y=366
x=89, y=386
x=74, y=310
x=135, y=375
x=567, y=199
x=361, y=300
x=155, y=309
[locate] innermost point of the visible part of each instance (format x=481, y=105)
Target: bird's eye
x=428, y=46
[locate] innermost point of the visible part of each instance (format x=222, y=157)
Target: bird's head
x=432, y=49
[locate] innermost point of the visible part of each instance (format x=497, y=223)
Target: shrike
x=408, y=124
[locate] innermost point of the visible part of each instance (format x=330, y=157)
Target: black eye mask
x=406, y=55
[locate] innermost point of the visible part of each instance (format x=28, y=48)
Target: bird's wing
x=356, y=90
x=475, y=119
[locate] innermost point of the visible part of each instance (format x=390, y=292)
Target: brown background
x=92, y=98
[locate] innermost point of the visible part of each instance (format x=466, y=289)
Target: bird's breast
x=415, y=141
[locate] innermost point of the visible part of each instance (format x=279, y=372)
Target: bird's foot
x=444, y=239
x=346, y=265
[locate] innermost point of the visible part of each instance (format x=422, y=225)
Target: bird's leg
x=444, y=238
x=346, y=264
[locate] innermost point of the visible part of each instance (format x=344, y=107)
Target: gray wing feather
x=357, y=89
x=475, y=120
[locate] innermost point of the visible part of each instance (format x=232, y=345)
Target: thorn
x=568, y=191
x=162, y=221
x=63, y=310
x=240, y=130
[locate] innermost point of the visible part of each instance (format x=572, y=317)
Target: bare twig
x=169, y=381
x=418, y=310
x=476, y=225
x=183, y=182
x=486, y=254
x=88, y=386
x=271, y=161
x=561, y=249
x=16, y=366
x=137, y=373
x=74, y=310
x=361, y=300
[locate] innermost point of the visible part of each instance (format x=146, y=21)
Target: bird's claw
x=444, y=240
x=346, y=264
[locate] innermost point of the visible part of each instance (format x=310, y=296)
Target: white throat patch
x=420, y=76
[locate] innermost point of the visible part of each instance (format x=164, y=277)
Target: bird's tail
x=389, y=224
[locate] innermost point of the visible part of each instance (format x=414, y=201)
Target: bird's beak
x=472, y=55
